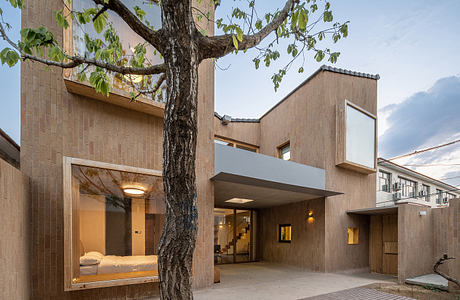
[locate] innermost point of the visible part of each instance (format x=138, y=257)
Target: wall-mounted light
x=133, y=191
x=310, y=217
x=422, y=213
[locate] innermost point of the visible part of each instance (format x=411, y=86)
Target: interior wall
x=15, y=234
x=92, y=222
x=138, y=226
x=306, y=249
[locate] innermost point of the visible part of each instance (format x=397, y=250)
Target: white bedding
x=88, y=270
x=121, y=264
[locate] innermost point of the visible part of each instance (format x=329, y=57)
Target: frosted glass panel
x=360, y=138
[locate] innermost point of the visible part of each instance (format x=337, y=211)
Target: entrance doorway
x=234, y=235
x=383, y=246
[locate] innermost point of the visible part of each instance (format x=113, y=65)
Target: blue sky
x=413, y=45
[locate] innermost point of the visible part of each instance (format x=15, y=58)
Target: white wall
x=138, y=226
x=92, y=222
x=386, y=199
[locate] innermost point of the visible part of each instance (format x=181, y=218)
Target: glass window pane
x=360, y=138
x=117, y=222
x=285, y=152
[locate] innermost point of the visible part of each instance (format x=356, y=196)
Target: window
x=353, y=233
x=384, y=181
x=114, y=219
x=448, y=197
x=408, y=187
x=284, y=151
x=356, y=138
x=426, y=192
x=438, y=196
x=284, y=233
x=128, y=38
x=235, y=144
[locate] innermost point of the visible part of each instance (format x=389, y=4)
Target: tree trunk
x=178, y=238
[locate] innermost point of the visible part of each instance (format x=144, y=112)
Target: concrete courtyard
x=272, y=281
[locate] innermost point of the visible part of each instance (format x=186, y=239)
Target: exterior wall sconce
x=422, y=213
x=310, y=217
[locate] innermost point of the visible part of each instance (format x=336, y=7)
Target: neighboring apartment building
x=397, y=184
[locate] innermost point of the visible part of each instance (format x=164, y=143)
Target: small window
x=426, y=192
x=384, y=181
x=285, y=233
x=284, y=152
x=353, y=233
x=438, y=196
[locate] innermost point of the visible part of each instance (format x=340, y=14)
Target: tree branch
x=440, y=262
x=218, y=46
x=75, y=61
x=155, y=38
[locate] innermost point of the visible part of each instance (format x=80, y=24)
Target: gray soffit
x=245, y=174
x=383, y=210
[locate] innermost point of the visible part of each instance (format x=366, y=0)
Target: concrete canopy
x=266, y=180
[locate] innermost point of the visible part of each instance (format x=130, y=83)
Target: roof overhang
x=383, y=210
x=267, y=180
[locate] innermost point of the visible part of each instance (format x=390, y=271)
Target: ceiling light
x=133, y=191
x=239, y=200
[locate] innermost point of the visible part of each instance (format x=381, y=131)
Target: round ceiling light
x=133, y=191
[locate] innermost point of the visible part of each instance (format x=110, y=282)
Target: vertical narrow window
x=284, y=233
x=353, y=233
x=384, y=181
x=425, y=192
x=284, y=151
x=438, y=196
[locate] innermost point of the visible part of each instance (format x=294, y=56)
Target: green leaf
x=239, y=34
x=303, y=20
x=235, y=42
x=100, y=23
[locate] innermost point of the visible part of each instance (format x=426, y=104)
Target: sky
x=413, y=46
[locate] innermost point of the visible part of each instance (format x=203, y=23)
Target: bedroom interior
x=117, y=218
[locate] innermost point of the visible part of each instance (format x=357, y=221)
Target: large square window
x=76, y=44
x=114, y=219
x=356, y=138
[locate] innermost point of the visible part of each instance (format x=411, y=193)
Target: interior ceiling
x=263, y=197
x=107, y=182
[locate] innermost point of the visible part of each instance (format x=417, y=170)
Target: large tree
x=183, y=45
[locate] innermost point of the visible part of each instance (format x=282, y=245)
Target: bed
x=110, y=264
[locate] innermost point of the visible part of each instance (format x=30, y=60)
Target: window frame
x=279, y=233
x=439, y=196
x=281, y=147
x=237, y=144
x=69, y=284
x=389, y=180
x=415, y=185
x=341, y=138
x=355, y=231
x=427, y=188
x=116, y=96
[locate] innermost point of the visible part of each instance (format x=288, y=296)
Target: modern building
x=397, y=184
x=295, y=186
x=9, y=149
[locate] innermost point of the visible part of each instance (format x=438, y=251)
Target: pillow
x=91, y=258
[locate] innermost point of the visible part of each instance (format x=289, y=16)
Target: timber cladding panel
x=306, y=249
x=246, y=132
x=307, y=119
x=454, y=242
x=14, y=234
x=56, y=123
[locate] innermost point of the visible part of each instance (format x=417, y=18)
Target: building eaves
x=236, y=120
x=389, y=164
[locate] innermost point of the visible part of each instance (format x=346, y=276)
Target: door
x=383, y=244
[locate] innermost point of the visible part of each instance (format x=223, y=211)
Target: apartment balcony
x=251, y=180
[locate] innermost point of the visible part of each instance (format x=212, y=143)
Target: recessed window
x=384, y=181
x=284, y=151
x=353, y=233
x=116, y=220
x=285, y=233
x=438, y=196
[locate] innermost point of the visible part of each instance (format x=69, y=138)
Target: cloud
x=424, y=120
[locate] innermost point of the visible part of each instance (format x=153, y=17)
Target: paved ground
x=253, y=281
x=359, y=293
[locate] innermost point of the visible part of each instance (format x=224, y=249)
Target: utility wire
x=430, y=165
x=425, y=150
